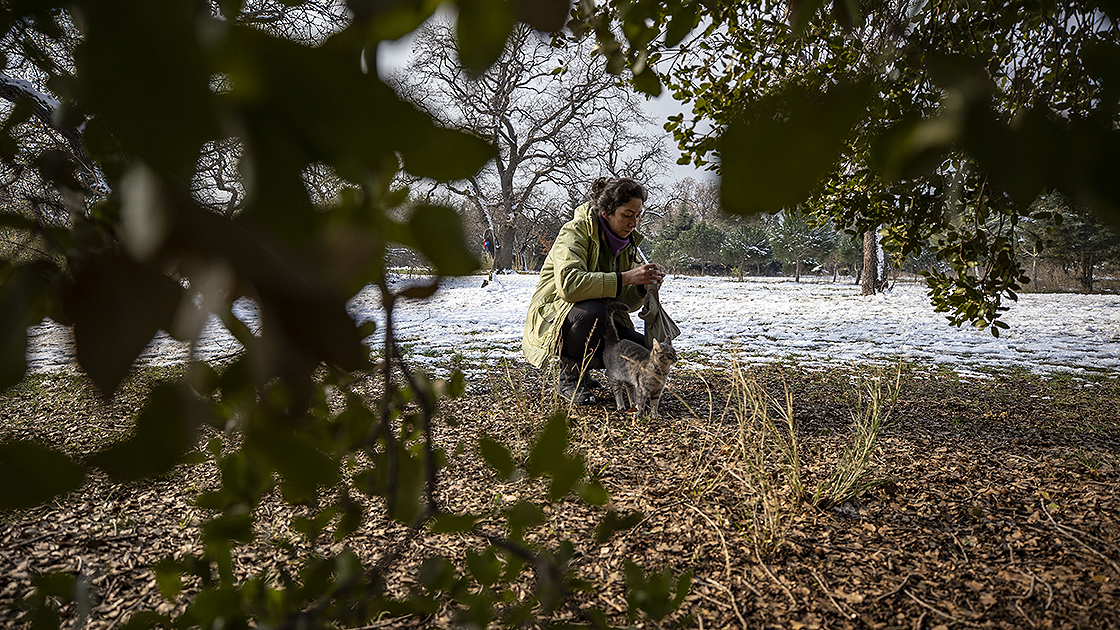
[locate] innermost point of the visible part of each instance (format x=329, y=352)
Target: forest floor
x=998, y=502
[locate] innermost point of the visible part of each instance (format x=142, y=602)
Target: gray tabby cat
x=631, y=366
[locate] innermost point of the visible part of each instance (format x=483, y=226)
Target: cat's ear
x=656, y=345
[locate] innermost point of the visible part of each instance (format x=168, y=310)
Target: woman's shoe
x=576, y=392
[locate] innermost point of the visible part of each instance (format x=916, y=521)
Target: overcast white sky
x=661, y=108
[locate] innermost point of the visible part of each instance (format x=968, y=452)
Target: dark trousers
x=581, y=335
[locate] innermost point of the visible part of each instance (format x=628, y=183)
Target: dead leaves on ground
x=1001, y=508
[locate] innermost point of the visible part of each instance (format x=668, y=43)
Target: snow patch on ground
x=818, y=324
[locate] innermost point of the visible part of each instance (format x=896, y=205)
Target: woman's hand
x=643, y=274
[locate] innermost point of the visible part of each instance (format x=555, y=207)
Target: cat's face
x=664, y=352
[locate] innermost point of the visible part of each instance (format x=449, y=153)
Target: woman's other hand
x=644, y=274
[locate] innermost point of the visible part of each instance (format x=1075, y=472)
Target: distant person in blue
x=488, y=243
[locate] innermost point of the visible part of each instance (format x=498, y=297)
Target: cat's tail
x=610, y=333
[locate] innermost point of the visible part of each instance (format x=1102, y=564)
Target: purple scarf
x=613, y=242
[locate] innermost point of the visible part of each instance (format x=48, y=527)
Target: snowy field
x=814, y=323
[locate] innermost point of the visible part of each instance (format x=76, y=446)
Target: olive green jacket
x=574, y=271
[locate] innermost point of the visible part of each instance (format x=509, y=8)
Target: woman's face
x=625, y=218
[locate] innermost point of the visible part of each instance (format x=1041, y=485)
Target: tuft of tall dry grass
x=769, y=452
x=768, y=447
x=852, y=474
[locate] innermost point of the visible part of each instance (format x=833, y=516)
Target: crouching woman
x=593, y=261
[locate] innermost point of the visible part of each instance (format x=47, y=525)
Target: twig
x=15, y=544
x=896, y=590
x=385, y=428
x=427, y=407
x=963, y=552
x=722, y=542
x=1029, y=620
x=1030, y=591
x=1089, y=536
x=712, y=599
x=384, y=623
x=1049, y=591
x=850, y=614
x=765, y=568
x=733, y=474
x=730, y=596
x=726, y=564
x=620, y=609
x=929, y=606
x=751, y=587
x=1067, y=531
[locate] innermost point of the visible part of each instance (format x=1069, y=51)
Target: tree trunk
x=869, y=281
x=1086, y=273
x=503, y=256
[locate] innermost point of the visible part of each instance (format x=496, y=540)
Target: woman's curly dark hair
x=608, y=194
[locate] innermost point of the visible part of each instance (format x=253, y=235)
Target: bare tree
x=47, y=135
x=307, y=22
x=49, y=132
x=557, y=117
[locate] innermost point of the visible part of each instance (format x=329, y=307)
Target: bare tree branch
x=558, y=119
